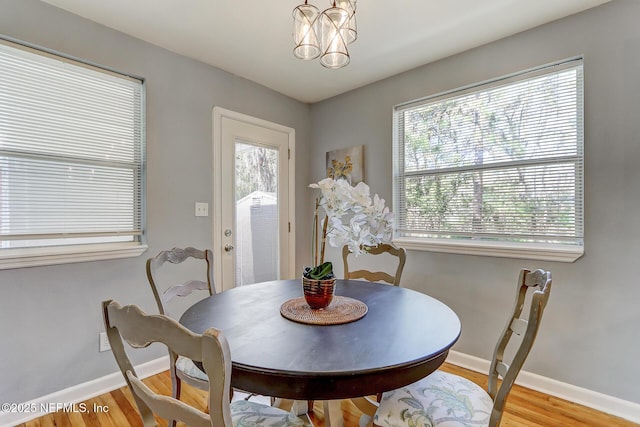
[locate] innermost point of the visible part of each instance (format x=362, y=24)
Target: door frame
x=218, y=114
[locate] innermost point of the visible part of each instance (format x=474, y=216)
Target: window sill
x=34, y=257
x=544, y=252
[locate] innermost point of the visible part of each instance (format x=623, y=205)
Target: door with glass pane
x=253, y=232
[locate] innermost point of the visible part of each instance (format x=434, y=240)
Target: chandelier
x=325, y=35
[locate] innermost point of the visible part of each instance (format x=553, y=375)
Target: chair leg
x=310, y=405
x=176, y=386
x=176, y=389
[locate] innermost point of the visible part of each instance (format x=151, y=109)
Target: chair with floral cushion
x=181, y=368
x=367, y=404
x=130, y=324
x=444, y=399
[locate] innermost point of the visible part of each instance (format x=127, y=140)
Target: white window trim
x=11, y=258
x=35, y=257
x=543, y=252
x=501, y=249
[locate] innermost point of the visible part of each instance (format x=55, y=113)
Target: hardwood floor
x=525, y=408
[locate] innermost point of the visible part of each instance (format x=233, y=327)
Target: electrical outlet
x=202, y=209
x=104, y=342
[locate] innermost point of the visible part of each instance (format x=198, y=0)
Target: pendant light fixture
x=325, y=35
x=305, y=35
x=350, y=31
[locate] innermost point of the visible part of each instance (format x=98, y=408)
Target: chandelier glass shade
x=350, y=31
x=305, y=35
x=325, y=35
x=332, y=41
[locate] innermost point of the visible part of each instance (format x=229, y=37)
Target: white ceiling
x=253, y=38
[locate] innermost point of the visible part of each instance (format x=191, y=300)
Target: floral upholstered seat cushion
x=246, y=413
x=441, y=399
x=186, y=365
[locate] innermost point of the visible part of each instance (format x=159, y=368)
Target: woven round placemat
x=341, y=310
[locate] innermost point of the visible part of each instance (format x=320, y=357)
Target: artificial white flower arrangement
x=352, y=218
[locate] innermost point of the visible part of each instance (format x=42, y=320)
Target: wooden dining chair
x=130, y=324
x=447, y=399
x=181, y=368
x=377, y=276
x=368, y=405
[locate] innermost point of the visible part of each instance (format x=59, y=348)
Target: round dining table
x=403, y=337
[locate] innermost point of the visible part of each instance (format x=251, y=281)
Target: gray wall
x=50, y=316
x=590, y=334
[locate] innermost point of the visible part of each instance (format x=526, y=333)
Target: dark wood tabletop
x=404, y=336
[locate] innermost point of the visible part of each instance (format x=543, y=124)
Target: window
x=494, y=169
x=71, y=160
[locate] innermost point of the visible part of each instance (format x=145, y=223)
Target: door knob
x=228, y=248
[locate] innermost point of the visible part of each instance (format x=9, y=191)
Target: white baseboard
x=38, y=407
x=601, y=402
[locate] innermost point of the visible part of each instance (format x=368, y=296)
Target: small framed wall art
x=346, y=163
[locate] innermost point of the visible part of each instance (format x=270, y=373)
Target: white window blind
x=71, y=152
x=498, y=162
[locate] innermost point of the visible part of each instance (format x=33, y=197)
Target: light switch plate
x=202, y=209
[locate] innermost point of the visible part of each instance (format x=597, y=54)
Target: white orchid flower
x=369, y=220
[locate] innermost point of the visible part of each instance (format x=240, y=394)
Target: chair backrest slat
x=372, y=276
x=519, y=326
x=502, y=369
x=184, y=290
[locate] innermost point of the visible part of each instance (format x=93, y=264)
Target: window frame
x=494, y=248
x=20, y=257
